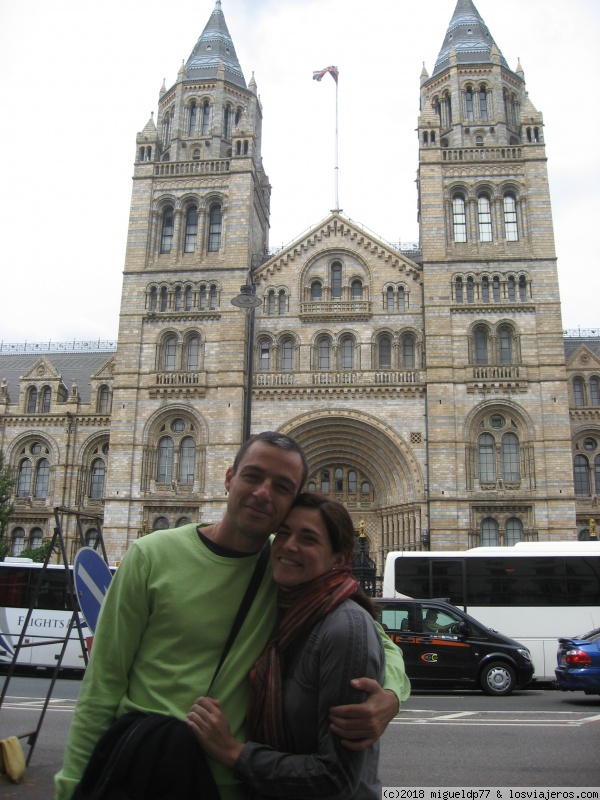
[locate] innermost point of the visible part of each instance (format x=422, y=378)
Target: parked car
x=578, y=663
x=445, y=648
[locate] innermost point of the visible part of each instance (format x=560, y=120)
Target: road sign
x=92, y=578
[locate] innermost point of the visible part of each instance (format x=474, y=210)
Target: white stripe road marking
x=568, y=719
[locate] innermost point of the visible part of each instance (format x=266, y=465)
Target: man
x=171, y=605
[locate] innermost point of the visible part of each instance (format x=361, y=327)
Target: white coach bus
x=49, y=621
x=534, y=592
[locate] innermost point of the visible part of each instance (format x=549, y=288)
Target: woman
x=325, y=637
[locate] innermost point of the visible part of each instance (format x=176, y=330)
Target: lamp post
x=248, y=300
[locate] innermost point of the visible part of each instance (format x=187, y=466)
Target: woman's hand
x=211, y=728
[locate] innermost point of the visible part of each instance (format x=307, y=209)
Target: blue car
x=578, y=668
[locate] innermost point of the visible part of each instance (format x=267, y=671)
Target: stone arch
x=366, y=442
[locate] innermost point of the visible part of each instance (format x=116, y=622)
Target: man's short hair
x=281, y=440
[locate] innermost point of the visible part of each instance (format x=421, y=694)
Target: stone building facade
x=429, y=388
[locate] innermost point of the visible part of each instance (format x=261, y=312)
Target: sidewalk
x=37, y=783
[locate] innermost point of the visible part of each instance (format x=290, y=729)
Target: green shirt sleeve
x=395, y=675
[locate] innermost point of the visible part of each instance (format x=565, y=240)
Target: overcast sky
x=80, y=79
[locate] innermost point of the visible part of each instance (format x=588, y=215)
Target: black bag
x=147, y=757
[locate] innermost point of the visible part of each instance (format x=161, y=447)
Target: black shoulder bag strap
x=247, y=600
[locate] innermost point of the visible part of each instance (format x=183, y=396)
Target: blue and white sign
x=92, y=578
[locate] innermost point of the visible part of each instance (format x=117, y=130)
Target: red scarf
x=301, y=607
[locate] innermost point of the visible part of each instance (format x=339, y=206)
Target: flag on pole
x=319, y=74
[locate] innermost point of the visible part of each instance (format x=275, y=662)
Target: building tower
x=199, y=210
x=497, y=404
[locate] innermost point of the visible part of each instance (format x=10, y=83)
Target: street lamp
x=247, y=300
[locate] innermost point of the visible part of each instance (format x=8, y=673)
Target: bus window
x=13, y=587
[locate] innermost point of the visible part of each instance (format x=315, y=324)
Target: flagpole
x=337, y=168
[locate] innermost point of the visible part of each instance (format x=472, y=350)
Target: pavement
x=36, y=784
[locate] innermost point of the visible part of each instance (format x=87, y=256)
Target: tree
x=6, y=507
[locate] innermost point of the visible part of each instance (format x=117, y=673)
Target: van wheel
x=497, y=679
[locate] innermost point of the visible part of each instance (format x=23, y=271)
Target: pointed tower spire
x=214, y=45
x=470, y=38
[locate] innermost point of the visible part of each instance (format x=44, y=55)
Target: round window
x=36, y=448
x=590, y=444
x=497, y=421
x=177, y=425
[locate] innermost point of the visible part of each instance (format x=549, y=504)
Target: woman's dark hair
x=341, y=533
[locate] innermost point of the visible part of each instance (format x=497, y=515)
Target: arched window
x=36, y=538
x=401, y=306
x=514, y=531
x=597, y=474
x=486, y=458
x=271, y=303
x=357, y=290
x=336, y=281
x=446, y=109
x=182, y=521
x=97, y=478
x=408, y=352
x=470, y=290
x=511, y=470
x=287, y=355
x=489, y=532
x=578, y=394
x=485, y=289
x=164, y=299
x=595, y=391
x=390, y=299
x=316, y=291
x=385, y=352
x=42, y=478
x=178, y=298
x=203, y=298
x=170, y=354
x=325, y=482
x=338, y=480
x=281, y=302
x=324, y=353
x=46, y=395
x=187, y=298
x=192, y=355
x=505, y=345
x=193, y=118
x=347, y=353
x=32, y=400
x=496, y=288
x=191, y=229
x=166, y=239
x=264, y=355
x=18, y=542
x=469, y=103
x=24, y=478
x=215, y=226
x=459, y=216
x=205, y=118
x=481, y=346
x=459, y=290
x=510, y=218
x=90, y=537
x=581, y=476
x=484, y=210
x=153, y=298
x=160, y=524
x=483, y=104
x=510, y=288
x=166, y=457
x=352, y=482
x=213, y=297
x=187, y=460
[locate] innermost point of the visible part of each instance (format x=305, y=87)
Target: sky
x=81, y=78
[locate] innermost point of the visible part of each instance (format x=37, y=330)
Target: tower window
x=166, y=241
x=510, y=218
x=336, y=281
x=481, y=347
x=522, y=289
x=32, y=400
x=193, y=118
x=483, y=104
x=385, y=353
x=469, y=103
x=215, y=226
x=485, y=289
x=485, y=218
x=191, y=229
x=459, y=218
x=287, y=355
x=205, y=118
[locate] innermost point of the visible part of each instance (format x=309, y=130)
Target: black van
x=446, y=648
